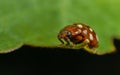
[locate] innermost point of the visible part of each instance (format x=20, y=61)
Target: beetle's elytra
x=78, y=33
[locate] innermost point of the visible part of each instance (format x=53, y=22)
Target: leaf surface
x=38, y=22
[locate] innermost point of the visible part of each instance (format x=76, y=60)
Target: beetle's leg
x=61, y=40
x=67, y=40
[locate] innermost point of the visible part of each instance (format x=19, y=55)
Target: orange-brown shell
x=79, y=33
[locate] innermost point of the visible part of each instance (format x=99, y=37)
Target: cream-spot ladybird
x=78, y=33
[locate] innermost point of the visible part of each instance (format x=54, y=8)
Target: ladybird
x=78, y=33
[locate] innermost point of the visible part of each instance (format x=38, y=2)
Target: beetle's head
x=64, y=34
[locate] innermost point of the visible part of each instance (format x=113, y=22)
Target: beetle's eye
x=68, y=33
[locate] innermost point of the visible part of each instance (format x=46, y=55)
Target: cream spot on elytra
x=87, y=40
x=78, y=31
x=90, y=29
x=85, y=32
x=79, y=25
x=91, y=36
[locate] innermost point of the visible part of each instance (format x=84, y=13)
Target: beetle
x=78, y=33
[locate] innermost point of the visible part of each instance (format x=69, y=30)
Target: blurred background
x=26, y=19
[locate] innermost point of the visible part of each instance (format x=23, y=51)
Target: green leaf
x=38, y=22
